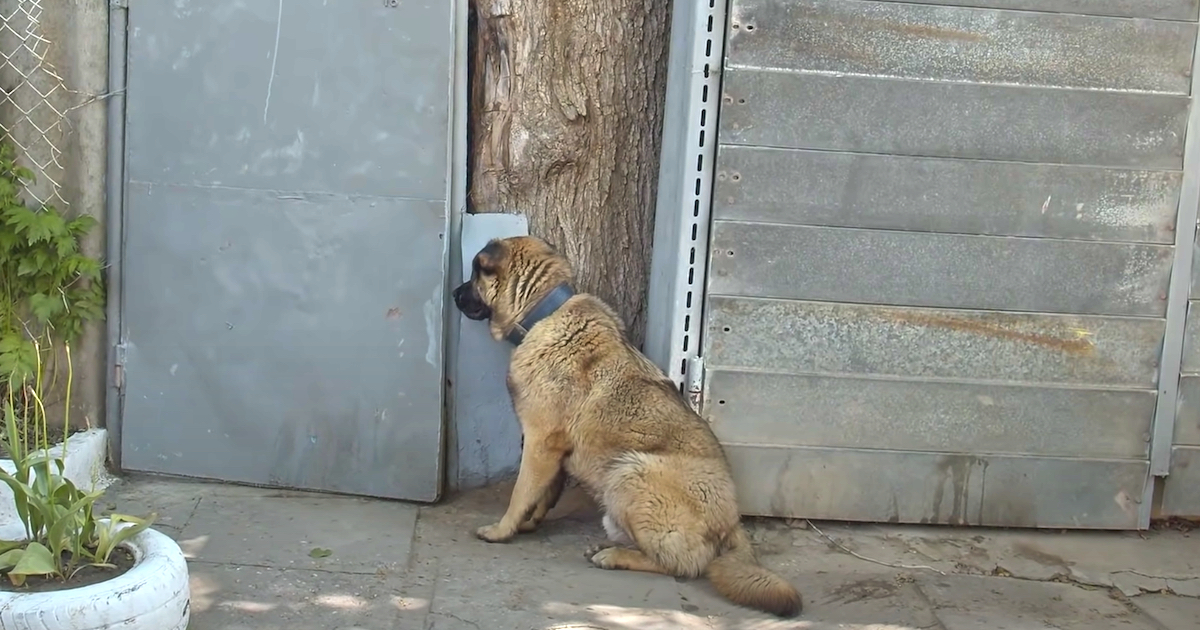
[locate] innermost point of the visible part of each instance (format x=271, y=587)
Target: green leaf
x=11, y=557
x=45, y=307
x=318, y=552
x=109, y=537
x=27, y=267
x=36, y=559
x=82, y=224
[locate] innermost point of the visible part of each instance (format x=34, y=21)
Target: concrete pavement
x=264, y=559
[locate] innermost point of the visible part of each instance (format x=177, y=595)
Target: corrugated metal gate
x=284, y=262
x=940, y=261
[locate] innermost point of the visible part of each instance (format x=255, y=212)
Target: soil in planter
x=83, y=577
x=32, y=437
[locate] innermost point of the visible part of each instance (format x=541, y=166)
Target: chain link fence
x=33, y=98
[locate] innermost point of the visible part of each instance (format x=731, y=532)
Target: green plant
x=62, y=531
x=47, y=285
x=48, y=290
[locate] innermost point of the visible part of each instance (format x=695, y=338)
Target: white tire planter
x=152, y=595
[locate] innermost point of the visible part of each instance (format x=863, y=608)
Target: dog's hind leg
x=671, y=529
x=624, y=559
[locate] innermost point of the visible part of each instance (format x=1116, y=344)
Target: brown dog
x=593, y=406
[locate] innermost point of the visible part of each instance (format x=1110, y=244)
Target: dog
x=592, y=406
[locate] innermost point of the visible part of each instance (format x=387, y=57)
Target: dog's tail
x=738, y=576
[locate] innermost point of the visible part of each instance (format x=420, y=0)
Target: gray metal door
x=285, y=254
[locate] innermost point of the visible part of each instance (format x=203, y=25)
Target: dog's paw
x=494, y=533
x=528, y=526
x=595, y=549
x=601, y=556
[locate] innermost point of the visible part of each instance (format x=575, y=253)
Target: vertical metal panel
x=823, y=338
x=944, y=195
x=1179, y=345
x=1190, y=361
x=1187, y=417
x=487, y=444
x=1194, y=291
x=920, y=415
x=457, y=212
x=1181, y=493
x=941, y=270
x=1161, y=9
x=689, y=145
x=946, y=43
x=1023, y=124
x=912, y=487
x=286, y=243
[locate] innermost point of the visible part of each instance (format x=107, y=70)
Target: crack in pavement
x=1084, y=582
x=259, y=565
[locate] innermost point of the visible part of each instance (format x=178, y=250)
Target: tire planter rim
x=153, y=593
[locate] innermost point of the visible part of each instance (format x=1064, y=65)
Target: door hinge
x=119, y=366
x=695, y=382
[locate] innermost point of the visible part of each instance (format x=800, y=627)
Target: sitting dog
x=594, y=407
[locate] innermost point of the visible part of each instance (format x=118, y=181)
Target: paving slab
x=228, y=597
x=1133, y=562
x=964, y=602
x=542, y=580
x=173, y=502
x=1172, y=611
x=251, y=560
x=319, y=532
x=381, y=566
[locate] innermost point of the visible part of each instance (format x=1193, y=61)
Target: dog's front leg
x=541, y=462
x=547, y=503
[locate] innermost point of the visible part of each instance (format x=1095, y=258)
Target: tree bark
x=566, y=118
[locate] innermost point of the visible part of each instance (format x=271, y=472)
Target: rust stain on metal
x=934, y=32
x=1078, y=345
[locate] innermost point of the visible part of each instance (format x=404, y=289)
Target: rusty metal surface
x=1181, y=490
x=940, y=195
x=1187, y=419
x=822, y=338
x=922, y=415
x=938, y=270
x=939, y=119
x=911, y=487
x=1162, y=9
x=947, y=43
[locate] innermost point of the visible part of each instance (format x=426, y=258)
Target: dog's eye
x=478, y=268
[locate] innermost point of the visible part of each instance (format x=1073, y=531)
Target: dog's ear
x=488, y=259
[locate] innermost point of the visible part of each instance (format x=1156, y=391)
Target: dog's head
x=508, y=278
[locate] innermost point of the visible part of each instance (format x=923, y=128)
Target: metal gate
x=285, y=250
x=941, y=246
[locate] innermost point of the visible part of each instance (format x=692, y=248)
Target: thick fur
x=594, y=407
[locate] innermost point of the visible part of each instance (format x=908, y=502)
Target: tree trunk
x=566, y=117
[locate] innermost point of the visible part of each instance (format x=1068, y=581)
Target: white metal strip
x=678, y=267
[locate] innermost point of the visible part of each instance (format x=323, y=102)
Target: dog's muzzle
x=466, y=299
